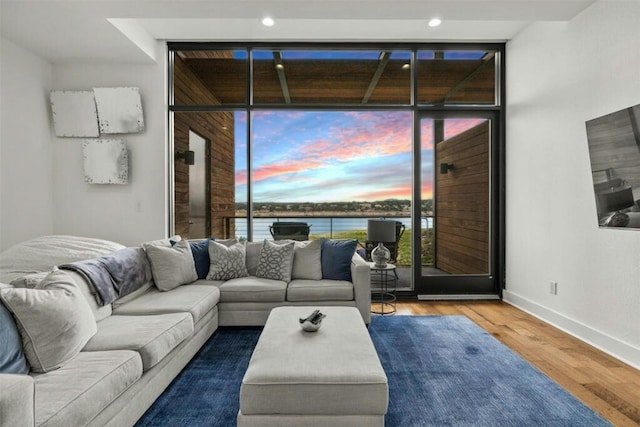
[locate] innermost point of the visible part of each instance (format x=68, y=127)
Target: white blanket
x=43, y=253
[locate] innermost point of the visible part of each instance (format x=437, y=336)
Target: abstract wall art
x=106, y=161
x=74, y=113
x=119, y=109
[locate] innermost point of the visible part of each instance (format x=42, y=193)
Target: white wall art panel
x=74, y=113
x=106, y=161
x=119, y=109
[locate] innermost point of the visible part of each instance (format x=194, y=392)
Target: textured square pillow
x=275, y=261
x=171, y=266
x=12, y=359
x=307, y=261
x=336, y=259
x=54, y=320
x=226, y=262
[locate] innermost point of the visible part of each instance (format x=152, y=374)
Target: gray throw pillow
x=171, y=266
x=275, y=261
x=226, y=262
x=307, y=260
x=54, y=320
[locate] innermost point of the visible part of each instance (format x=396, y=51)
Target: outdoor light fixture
x=446, y=167
x=435, y=22
x=267, y=21
x=188, y=156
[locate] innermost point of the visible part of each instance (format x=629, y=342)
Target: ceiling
x=126, y=31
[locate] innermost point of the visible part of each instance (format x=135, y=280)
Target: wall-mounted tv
x=614, y=149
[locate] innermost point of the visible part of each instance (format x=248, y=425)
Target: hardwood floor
x=605, y=384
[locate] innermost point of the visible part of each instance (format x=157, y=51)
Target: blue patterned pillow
x=275, y=261
x=336, y=259
x=12, y=359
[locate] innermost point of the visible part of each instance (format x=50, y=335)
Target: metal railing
x=336, y=227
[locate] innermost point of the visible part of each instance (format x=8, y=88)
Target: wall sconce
x=446, y=167
x=188, y=156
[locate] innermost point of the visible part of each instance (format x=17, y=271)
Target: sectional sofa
x=82, y=361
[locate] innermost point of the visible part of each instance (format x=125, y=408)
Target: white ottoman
x=331, y=377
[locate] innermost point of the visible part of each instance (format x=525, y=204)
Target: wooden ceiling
x=340, y=81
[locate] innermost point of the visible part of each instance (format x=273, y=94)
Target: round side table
x=383, y=288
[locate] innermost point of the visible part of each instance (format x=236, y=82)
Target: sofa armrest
x=361, y=278
x=16, y=400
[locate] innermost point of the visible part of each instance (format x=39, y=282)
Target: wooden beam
x=485, y=61
x=277, y=59
x=382, y=63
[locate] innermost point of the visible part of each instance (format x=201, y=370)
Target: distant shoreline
x=322, y=214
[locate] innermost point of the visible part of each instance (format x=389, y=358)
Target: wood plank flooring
x=602, y=382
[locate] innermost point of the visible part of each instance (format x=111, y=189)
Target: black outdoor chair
x=290, y=230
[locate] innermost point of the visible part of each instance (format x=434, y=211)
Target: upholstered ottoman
x=331, y=377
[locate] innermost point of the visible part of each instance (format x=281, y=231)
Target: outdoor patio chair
x=290, y=230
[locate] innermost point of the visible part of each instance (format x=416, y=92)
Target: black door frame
x=471, y=286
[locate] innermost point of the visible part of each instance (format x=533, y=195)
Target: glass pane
x=220, y=130
x=210, y=77
x=456, y=77
x=331, y=77
x=455, y=174
x=333, y=170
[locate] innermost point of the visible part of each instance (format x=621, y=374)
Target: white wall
x=129, y=214
x=558, y=77
x=26, y=172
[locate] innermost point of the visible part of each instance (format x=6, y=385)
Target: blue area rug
x=442, y=370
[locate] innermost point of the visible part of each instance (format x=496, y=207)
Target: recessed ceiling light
x=435, y=22
x=279, y=66
x=406, y=66
x=267, y=21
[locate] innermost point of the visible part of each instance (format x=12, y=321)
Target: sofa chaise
x=105, y=364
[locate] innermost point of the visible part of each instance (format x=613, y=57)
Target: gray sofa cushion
x=16, y=400
x=54, y=320
x=171, y=266
x=307, y=260
x=319, y=290
x=75, y=393
x=252, y=256
x=253, y=289
x=153, y=336
x=195, y=299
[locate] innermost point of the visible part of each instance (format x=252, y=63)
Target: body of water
x=326, y=226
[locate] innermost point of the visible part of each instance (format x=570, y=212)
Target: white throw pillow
x=275, y=261
x=171, y=266
x=307, y=260
x=54, y=320
x=226, y=262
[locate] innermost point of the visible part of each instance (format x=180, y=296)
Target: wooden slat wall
x=612, y=145
x=189, y=90
x=462, y=203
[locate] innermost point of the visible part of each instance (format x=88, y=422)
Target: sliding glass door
x=456, y=189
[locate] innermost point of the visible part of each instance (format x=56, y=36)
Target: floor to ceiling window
x=335, y=135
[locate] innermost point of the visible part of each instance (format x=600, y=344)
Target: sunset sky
x=323, y=156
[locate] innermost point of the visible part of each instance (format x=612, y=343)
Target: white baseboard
x=612, y=346
x=456, y=297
